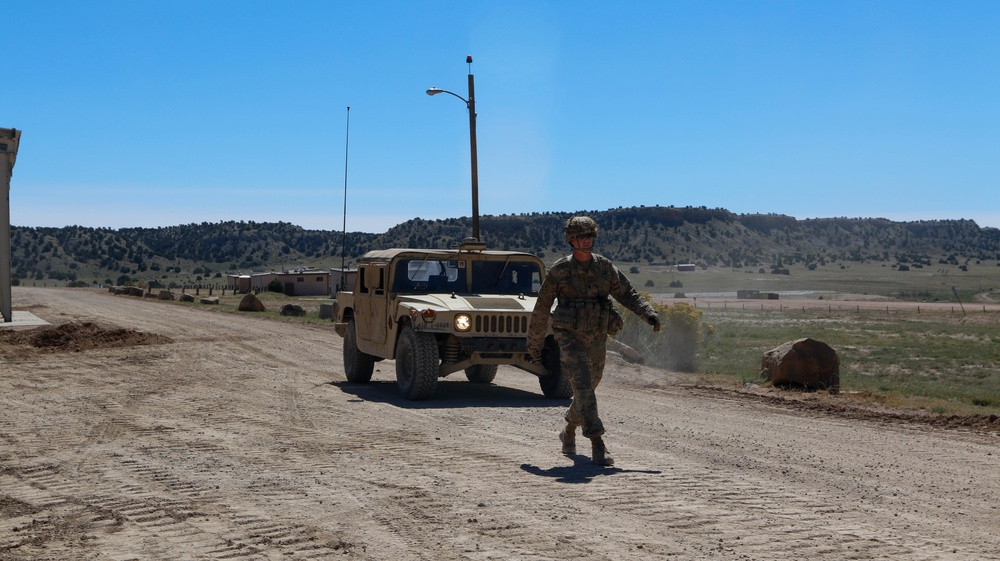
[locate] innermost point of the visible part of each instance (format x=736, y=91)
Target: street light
x=471, y=105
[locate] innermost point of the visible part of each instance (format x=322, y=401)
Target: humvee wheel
x=481, y=373
x=358, y=366
x=556, y=385
x=416, y=364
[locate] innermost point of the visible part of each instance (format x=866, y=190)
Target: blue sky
x=156, y=113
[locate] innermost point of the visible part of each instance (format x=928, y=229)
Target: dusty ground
x=136, y=429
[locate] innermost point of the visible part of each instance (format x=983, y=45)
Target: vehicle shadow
x=450, y=394
x=582, y=470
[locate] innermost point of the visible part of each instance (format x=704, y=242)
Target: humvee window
x=505, y=277
x=424, y=275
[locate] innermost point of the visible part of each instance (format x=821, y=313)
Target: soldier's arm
x=623, y=291
x=540, y=314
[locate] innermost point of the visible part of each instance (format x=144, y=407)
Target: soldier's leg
x=573, y=351
x=568, y=438
x=596, y=356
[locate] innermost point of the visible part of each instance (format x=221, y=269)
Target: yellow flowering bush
x=677, y=346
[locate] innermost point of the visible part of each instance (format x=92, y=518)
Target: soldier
x=582, y=284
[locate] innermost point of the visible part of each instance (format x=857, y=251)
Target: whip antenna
x=343, y=245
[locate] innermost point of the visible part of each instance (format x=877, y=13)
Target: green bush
x=680, y=341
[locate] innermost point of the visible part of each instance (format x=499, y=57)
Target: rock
x=250, y=303
x=292, y=310
x=212, y=300
x=165, y=295
x=185, y=297
x=134, y=291
x=806, y=362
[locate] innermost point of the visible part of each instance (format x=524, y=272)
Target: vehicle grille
x=500, y=324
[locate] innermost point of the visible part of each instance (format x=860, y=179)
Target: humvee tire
x=482, y=373
x=358, y=366
x=556, y=385
x=416, y=364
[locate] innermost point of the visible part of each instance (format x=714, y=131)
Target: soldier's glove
x=654, y=320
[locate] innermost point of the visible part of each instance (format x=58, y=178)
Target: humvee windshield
x=488, y=277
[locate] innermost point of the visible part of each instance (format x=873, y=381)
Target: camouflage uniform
x=580, y=326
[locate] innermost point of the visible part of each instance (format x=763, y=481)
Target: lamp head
x=434, y=91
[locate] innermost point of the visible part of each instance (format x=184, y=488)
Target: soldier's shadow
x=582, y=471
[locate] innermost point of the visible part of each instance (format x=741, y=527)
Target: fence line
x=857, y=308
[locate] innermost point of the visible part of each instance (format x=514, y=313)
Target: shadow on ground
x=450, y=394
x=582, y=471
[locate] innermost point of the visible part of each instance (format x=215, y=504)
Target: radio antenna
x=343, y=245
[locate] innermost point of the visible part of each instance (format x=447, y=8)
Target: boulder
x=250, y=303
x=292, y=310
x=134, y=291
x=185, y=297
x=805, y=362
x=212, y=300
x=165, y=295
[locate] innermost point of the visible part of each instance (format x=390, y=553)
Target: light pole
x=471, y=105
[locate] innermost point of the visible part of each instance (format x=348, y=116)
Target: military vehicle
x=441, y=311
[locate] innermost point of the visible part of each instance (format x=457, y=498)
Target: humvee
x=441, y=311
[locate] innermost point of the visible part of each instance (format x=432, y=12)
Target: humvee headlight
x=463, y=322
x=429, y=315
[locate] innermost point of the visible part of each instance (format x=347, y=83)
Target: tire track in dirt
x=159, y=494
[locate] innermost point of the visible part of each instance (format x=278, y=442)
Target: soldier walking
x=582, y=284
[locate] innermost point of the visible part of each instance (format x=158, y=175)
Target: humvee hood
x=470, y=302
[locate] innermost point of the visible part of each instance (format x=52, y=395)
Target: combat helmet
x=580, y=225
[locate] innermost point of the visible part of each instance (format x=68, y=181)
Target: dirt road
x=169, y=432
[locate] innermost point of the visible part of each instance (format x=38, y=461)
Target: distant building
x=686, y=267
x=297, y=282
x=756, y=295
x=238, y=283
x=349, y=275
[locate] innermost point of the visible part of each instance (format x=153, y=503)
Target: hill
x=646, y=235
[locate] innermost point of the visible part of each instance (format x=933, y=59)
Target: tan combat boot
x=568, y=439
x=601, y=456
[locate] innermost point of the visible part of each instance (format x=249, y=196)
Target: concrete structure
x=9, y=140
x=686, y=267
